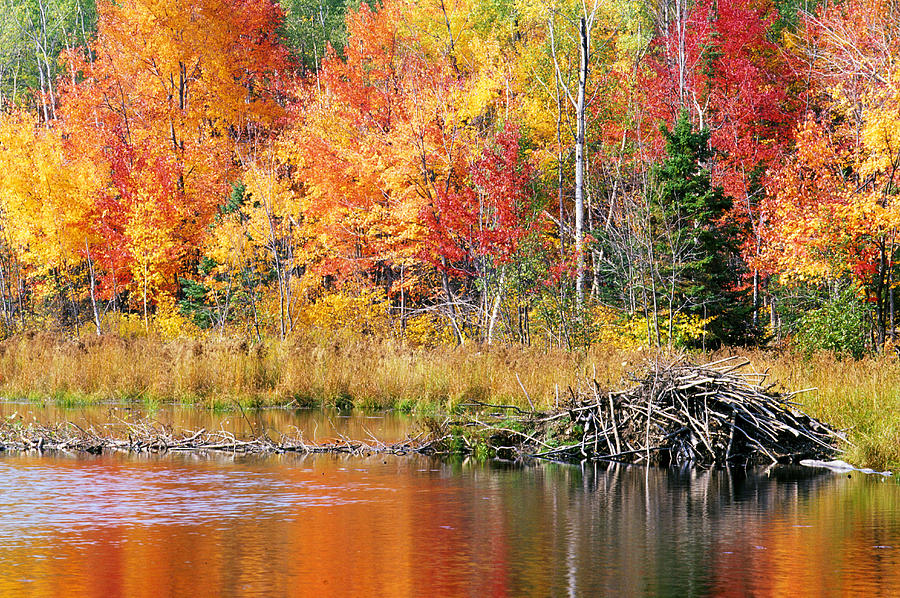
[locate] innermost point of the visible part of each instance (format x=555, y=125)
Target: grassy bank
x=338, y=373
x=860, y=396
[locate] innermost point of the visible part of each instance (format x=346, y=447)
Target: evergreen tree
x=697, y=252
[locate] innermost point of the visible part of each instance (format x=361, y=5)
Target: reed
x=305, y=372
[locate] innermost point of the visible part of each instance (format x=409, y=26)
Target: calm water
x=388, y=526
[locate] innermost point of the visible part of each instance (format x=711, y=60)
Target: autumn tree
x=164, y=98
x=49, y=211
x=476, y=225
x=717, y=60
x=386, y=131
x=833, y=212
x=235, y=270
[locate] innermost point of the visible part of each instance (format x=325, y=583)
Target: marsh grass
x=340, y=374
x=860, y=396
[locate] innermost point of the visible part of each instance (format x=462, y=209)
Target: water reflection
x=386, y=526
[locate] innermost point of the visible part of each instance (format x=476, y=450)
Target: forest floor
x=861, y=397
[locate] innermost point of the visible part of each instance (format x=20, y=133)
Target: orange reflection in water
x=839, y=541
x=329, y=527
x=384, y=526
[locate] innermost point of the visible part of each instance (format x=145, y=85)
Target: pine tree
x=697, y=249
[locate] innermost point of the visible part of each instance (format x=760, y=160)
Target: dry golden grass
x=367, y=373
x=862, y=396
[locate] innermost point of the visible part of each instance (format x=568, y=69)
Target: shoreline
x=861, y=397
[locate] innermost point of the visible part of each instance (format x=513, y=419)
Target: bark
x=87, y=250
x=579, y=163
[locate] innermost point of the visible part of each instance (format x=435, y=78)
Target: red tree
x=482, y=220
x=717, y=61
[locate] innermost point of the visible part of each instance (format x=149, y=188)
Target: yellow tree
x=273, y=224
x=48, y=196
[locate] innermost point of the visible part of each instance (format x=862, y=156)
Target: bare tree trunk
x=20, y=292
x=87, y=250
x=559, y=170
x=494, y=311
x=773, y=318
x=403, y=298
x=289, y=269
x=146, y=274
x=43, y=94
x=44, y=55
x=579, y=164
x=890, y=291
x=451, y=311
x=585, y=23
x=755, y=297
x=7, y=302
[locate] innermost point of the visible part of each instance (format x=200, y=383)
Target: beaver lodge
x=675, y=414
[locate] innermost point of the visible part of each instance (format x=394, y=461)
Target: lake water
x=292, y=525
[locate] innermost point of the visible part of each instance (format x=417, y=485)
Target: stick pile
x=153, y=437
x=713, y=414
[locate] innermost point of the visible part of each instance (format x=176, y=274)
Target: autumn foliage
x=465, y=162
x=162, y=102
x=485, y=215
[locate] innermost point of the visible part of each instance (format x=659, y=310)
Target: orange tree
x=833, y=208
x=164, y=99
x=385, y=134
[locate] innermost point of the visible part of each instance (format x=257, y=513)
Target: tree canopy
x=557, y=172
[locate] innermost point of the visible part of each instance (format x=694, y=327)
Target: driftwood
x=679, y=414
x=838, y=466
x=152, y=437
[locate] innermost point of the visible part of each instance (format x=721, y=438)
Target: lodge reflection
x=783, y=531
x=327, y=526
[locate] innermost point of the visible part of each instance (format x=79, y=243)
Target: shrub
x=840, y=325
